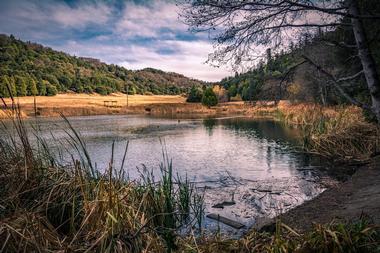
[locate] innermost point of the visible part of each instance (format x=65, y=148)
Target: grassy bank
x=340, y=133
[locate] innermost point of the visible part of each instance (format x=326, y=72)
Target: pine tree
x=209, y=98
x=4, y=85
x=21, y=86
x=41, y=86
x=195, y=95
x=31, y=87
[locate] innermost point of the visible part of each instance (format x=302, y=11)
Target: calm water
x=255, y=162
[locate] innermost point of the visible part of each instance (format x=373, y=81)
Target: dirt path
x=358, y=195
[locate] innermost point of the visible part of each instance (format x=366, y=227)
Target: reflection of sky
x=133, y=34
x=246, y=149
x=231, y=156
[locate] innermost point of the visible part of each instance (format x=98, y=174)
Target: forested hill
x=32, y=69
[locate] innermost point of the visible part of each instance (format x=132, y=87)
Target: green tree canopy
x=31, y=87
x=195, y=95
x=21, y=87
x=51, y=90
x=4, y=83
x=209, y=98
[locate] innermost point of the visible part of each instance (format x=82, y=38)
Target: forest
x=32, y=69
x=284, y=74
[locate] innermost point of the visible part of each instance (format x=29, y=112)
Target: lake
x=254, y=162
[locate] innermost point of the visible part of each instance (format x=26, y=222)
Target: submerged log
x=266, y=191
x=223, y=204
x=225, y=220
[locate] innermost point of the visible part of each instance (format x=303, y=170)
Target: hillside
x=32, y=69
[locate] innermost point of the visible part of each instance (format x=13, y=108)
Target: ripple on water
x=255, y=162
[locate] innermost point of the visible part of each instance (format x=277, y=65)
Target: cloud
x=187, y=58
x=149, y=20
x=134, y=35
x=80, y=16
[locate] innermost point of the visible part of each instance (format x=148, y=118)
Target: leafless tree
x=239, y=27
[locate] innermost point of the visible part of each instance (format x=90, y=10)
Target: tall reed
x=46, y=206
x=340, y=133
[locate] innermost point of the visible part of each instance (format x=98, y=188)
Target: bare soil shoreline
x=347, y=201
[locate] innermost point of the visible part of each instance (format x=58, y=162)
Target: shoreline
x=358, y=196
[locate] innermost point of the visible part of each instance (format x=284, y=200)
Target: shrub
x=51, y=90
x=209, y=98
x=195, y=95
x=101, y=90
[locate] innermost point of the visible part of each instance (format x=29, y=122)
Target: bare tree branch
x=336, y=82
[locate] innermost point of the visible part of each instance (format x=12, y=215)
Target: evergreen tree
x=21, y=86
x=31, y=87
x=41, y=86
x=4, y=84
x=195, y=95
x=232, y=91
x=209, y=98
x=12, y=84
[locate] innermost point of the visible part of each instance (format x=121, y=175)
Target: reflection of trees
x=270, y=133
x=209, y=124
x=264, y=129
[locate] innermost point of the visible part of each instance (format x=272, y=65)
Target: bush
x=209, y=98
x=195, y=95
x=101, y=90
x=51, y=90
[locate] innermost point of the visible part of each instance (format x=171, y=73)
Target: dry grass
x=341, y=133
x=356, y=236
x=72, y=104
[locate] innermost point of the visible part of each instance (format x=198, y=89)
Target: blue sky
x=133, y=34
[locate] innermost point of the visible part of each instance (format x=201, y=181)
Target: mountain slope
x=32, y=69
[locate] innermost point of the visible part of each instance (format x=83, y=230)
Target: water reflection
x=209, y=124
x=254, y=160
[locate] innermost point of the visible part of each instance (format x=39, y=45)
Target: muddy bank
x=347, y=201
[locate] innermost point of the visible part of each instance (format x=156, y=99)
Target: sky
x=132, y=34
